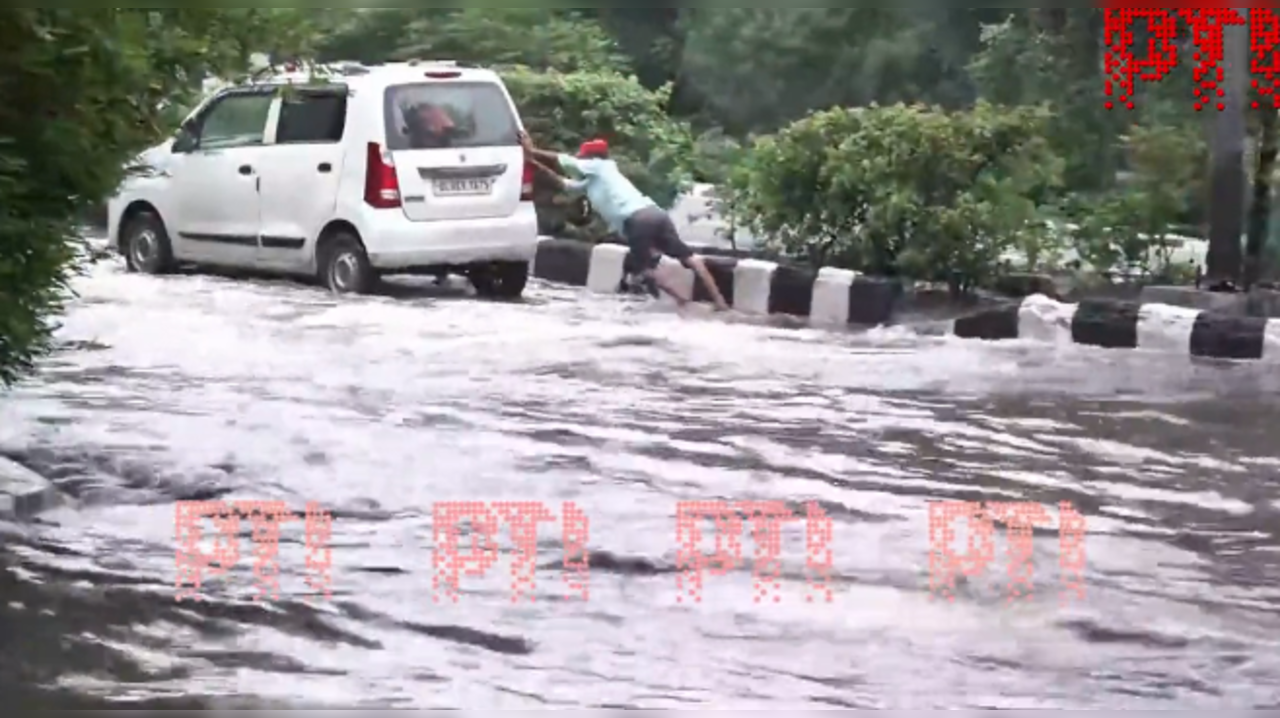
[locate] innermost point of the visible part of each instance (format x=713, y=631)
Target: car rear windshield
x=433, y=115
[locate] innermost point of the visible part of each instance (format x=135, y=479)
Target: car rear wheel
x=343, y=266
x=145, y=245
x=500, y=280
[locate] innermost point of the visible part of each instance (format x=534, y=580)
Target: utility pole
x=1259, y=222
x=1227, y=207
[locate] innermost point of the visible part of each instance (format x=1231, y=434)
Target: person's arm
x=559, y=180
x=571, y=164
x=700, y=269
x=546, y=158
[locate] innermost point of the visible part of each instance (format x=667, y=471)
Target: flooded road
x=199, y=388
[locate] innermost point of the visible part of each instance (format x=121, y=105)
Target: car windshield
x=454, y=114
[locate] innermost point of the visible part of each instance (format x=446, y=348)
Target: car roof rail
x=261, y=73
x=443, y=63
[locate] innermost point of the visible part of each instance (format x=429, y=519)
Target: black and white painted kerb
x=753, y=286
x=834, y=297
x=1128, y=325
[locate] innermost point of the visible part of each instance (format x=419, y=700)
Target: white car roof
x=355, y=74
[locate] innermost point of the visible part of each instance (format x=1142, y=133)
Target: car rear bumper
x=400, y=244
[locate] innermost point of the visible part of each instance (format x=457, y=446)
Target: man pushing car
x=649, y=232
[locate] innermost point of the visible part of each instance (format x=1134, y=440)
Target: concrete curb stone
x=24, y=493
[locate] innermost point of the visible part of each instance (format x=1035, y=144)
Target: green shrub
x=1131, y=223
x=902, y=190
x=779, y=190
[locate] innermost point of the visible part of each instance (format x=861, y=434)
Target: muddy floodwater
x=197, y=388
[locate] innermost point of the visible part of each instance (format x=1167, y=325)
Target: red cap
x=593, y=147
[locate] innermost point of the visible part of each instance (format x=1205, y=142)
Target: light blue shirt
x=611, y=194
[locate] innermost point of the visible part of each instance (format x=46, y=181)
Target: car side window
x=312, y=118
x=235, y=121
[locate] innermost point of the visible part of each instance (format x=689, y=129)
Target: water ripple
x=204, y=388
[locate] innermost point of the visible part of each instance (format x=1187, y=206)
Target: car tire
x=343, y=266
x=579, y=212
x=500, y=280
x=145, y=245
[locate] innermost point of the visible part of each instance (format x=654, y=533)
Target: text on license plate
x=464, y=186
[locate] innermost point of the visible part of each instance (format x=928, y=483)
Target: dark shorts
x=650, y=233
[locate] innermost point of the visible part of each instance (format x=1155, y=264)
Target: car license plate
x=456, y=187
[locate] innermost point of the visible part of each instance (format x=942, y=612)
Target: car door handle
x=325, y=168
x=246, y=170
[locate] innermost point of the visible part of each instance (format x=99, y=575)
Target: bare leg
x=663, y=280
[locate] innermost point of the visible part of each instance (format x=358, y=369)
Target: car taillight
x=381, y=188
x=526, y=183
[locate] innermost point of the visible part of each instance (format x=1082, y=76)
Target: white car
x=403, y=168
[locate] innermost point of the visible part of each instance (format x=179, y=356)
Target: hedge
x=901, y=190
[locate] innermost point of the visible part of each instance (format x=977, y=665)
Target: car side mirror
x=185, y=141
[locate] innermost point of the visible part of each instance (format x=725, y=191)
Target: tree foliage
x=758, y=68
x=84, y=91
x=538, y=37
